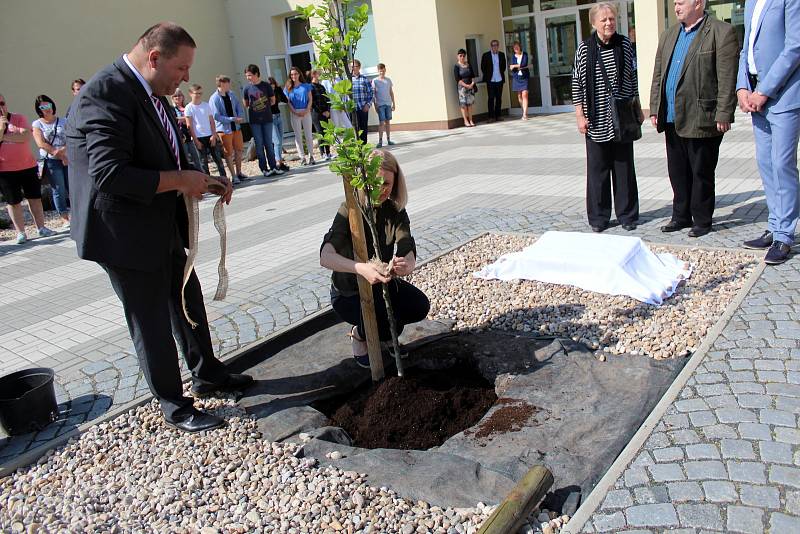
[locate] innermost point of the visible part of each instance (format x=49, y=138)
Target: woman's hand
x=403, y=266
x=371, y=273
x=198, y=144
x=583, y=124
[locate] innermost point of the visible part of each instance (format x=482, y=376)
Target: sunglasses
x=43, y=107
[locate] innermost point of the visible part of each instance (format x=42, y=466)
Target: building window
x=473, y=46
x=367, y=49
x=517, y=7
x=296, y=32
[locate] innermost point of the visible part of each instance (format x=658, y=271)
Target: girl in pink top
x=18, y=173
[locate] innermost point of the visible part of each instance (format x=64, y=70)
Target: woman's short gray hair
x=600, y=6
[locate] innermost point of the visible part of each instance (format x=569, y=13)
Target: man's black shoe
x=629, y=226
x=777, y=253
x=196, y=421
x=699, y=231
x=765, y=241
x=674, y=226
x=599, y=228
x=232, y=384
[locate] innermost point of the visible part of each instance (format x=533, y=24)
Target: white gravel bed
x=605, y=323
x=135, y=474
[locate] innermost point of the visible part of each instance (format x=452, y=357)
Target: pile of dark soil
x=420, y=411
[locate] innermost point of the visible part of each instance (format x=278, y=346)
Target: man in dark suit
x=127, y=174
x=493, y=67
x=692, y=100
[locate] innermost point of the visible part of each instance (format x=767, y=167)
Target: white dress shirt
x=149, y=91
x=751, y=62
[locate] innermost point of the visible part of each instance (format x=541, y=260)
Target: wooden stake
x=519, y=503
x=364, y=287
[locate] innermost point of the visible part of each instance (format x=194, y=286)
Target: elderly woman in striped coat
x=608, y=162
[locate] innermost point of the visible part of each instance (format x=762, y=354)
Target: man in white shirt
x=200, y=119
x=493, y=67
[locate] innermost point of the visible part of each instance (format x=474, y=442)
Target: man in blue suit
x=768, y=86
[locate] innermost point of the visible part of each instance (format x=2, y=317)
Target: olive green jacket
x=706, y=92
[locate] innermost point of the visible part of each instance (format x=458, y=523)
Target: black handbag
x=624, y=112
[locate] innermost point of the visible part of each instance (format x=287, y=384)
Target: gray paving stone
x=775, y=452
x=778, y=417
x=657, y=440
x=617, y=499
x=703, y=418
x=755, y=431
x=713, y=432
x=700, y=515
x=788, y=404
x=735, y=415
x=651, y=495
x=708, y=390
x=781, y=474
x=642, y=460
x=745, y=520
x=705, y=470
x=760, y=496
x=652, y=515
x=720, y=491
x=754, y=401
x=685, y=491
x=747, y=387
x=702, y=451
x=636, y=476
x=684, y=437
x=793, y=502
x=737, y=448
x=691, y=405
x=780, y=523
x=787, y=435
x=669, y=454
x=666, y=472
x=722, y=401
x=786, y=390
x=608, y=522
x=676, y=421
x=752, y=472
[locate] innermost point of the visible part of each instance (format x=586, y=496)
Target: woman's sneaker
x=21, y=238
x=45, y=232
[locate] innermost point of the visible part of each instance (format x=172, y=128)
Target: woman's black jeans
x=410, y=306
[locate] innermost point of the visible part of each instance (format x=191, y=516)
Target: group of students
x=213, y=128
x=21, y=173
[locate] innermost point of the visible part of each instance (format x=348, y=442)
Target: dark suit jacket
x=487, y=68
x=116, y=146
x=706, y=92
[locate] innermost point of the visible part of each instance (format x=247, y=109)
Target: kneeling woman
x=396, y=248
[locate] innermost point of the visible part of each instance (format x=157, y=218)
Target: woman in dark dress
x=397, y=248
x=520, y=74
x=465, y=81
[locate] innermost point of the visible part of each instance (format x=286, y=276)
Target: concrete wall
x=459, y=19
x=45, y=44
x=649, y=25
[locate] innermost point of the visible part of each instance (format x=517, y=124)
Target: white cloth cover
x=610, y=264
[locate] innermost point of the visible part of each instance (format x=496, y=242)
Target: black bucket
x=27, y=400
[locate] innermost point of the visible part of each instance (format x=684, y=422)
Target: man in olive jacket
x=692, y=100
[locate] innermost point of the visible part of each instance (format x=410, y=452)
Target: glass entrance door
x=558, y=53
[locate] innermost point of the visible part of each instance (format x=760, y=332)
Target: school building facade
x=47, y=43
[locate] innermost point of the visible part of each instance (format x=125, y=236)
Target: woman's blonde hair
x=595, y=9
x=399, y=194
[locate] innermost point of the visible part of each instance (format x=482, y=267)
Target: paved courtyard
x=724, y=456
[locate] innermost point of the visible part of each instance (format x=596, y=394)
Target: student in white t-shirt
x=200, y=120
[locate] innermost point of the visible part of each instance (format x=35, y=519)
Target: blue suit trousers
x=776, y=137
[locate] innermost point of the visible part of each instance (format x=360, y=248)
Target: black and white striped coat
x=602, y=129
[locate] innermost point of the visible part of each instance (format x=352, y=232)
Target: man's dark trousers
x=691, y=163
x=362, y=123
x=153, y=310
x=495, y=92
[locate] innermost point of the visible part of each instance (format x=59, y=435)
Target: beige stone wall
x=45, y=44
x=649, y=25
